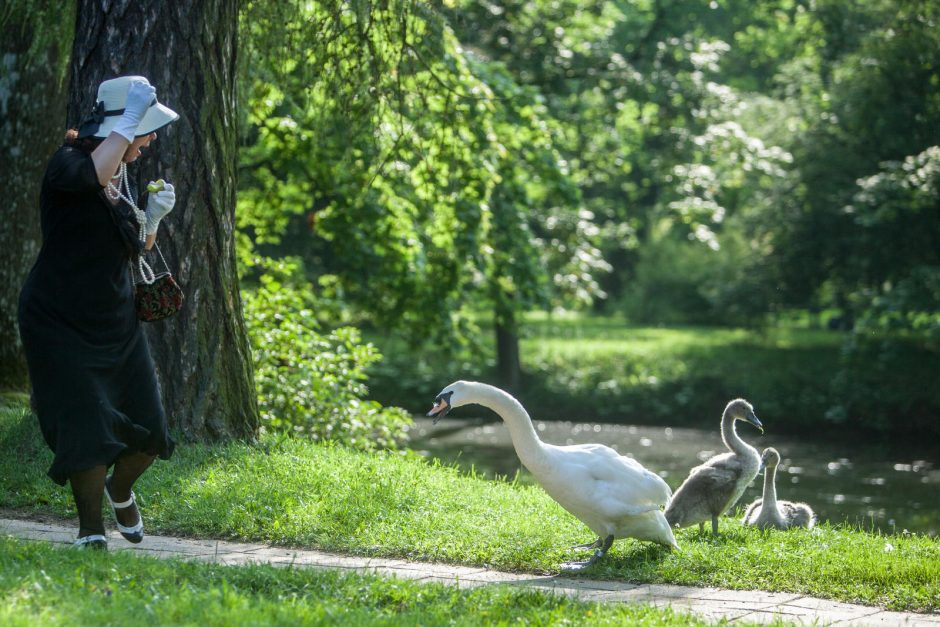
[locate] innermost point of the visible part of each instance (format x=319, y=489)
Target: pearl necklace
x=114, y=193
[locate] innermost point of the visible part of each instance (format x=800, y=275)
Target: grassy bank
x=601, y=369
x=44, y=585
x=295, y=493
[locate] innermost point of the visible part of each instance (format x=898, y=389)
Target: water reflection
x=843, y=483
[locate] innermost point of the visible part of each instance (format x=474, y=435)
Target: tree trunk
x=187, y=50
x=34, y=48
x=508, y=364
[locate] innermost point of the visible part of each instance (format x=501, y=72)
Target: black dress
x=94, y=384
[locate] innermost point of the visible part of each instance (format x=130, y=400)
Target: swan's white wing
x=596, y=478
x=605, y=464
x=628, y=474
x=618, y=500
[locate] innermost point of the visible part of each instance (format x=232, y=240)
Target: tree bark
x=34, y=54
x=508, y=364
x=188, y=51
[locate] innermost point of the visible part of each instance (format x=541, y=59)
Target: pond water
x=863, y=485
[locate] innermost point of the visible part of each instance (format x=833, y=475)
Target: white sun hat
x=109, y=106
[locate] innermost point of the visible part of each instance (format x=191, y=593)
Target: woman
x=94, y=385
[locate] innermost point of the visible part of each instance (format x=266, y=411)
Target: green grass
x=45, y=585
x=296, y=493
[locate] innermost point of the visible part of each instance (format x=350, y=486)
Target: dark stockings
x=87, y=488
x=128, y=468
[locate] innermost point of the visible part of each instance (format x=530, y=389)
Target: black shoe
x=135, y=533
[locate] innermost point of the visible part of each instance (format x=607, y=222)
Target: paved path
x=708, y=603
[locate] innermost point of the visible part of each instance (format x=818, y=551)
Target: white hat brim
x=157, y=116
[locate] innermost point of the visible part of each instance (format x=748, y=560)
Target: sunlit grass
x=44, y=585
x=600, y=368
x=295, y=493
x=611, y=335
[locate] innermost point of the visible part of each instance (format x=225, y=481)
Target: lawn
x=45, y=585
x=294, y=493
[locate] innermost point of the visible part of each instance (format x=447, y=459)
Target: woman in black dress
x=94, y=385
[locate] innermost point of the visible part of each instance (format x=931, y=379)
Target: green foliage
x=872, y=97
x=678, y=283
x=311, y=383
x=898, y=205
x=698, y=162
x=294, y=492
x=881, y=383
x=425, y=178
x=652, y=135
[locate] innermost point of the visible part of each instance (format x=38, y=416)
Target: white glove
x=158, y=205
x=140, y=94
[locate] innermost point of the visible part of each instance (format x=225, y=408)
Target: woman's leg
x=88, y=488
x=127, y=469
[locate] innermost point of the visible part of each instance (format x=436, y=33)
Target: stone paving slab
x=707, y=603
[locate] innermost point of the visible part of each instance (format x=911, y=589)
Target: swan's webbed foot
x=590, y=545
x=600, y=551
x=576, y=567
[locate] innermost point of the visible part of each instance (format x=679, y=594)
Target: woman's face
x=139, y=143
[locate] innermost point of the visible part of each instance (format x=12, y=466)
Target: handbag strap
x=135, y=268
x=162, y=258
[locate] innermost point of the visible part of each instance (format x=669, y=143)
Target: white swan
x=615, y=496
x=768, y=511
x=715, y=486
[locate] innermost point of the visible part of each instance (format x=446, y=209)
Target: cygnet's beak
x=439, y=409
x=751, y=418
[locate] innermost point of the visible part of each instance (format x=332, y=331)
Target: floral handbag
x=159, y=298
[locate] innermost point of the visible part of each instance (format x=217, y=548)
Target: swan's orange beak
x=439, y=409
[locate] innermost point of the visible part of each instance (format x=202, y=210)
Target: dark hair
x=86, y=144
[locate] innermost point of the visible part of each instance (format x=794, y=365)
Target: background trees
x=423, y=178
x=433, y=171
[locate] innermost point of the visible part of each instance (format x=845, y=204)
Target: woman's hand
x=159, y=204
x=140, y=95
x=107, y=156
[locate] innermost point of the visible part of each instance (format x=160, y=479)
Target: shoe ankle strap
x=122, y=504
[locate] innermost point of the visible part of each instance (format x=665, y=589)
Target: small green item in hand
x=156, y=186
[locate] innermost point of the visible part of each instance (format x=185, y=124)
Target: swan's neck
x=770, y=487
x=730, y=436
x=524, y=439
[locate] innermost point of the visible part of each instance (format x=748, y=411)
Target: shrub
x=686, y=282
x=309, y=382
